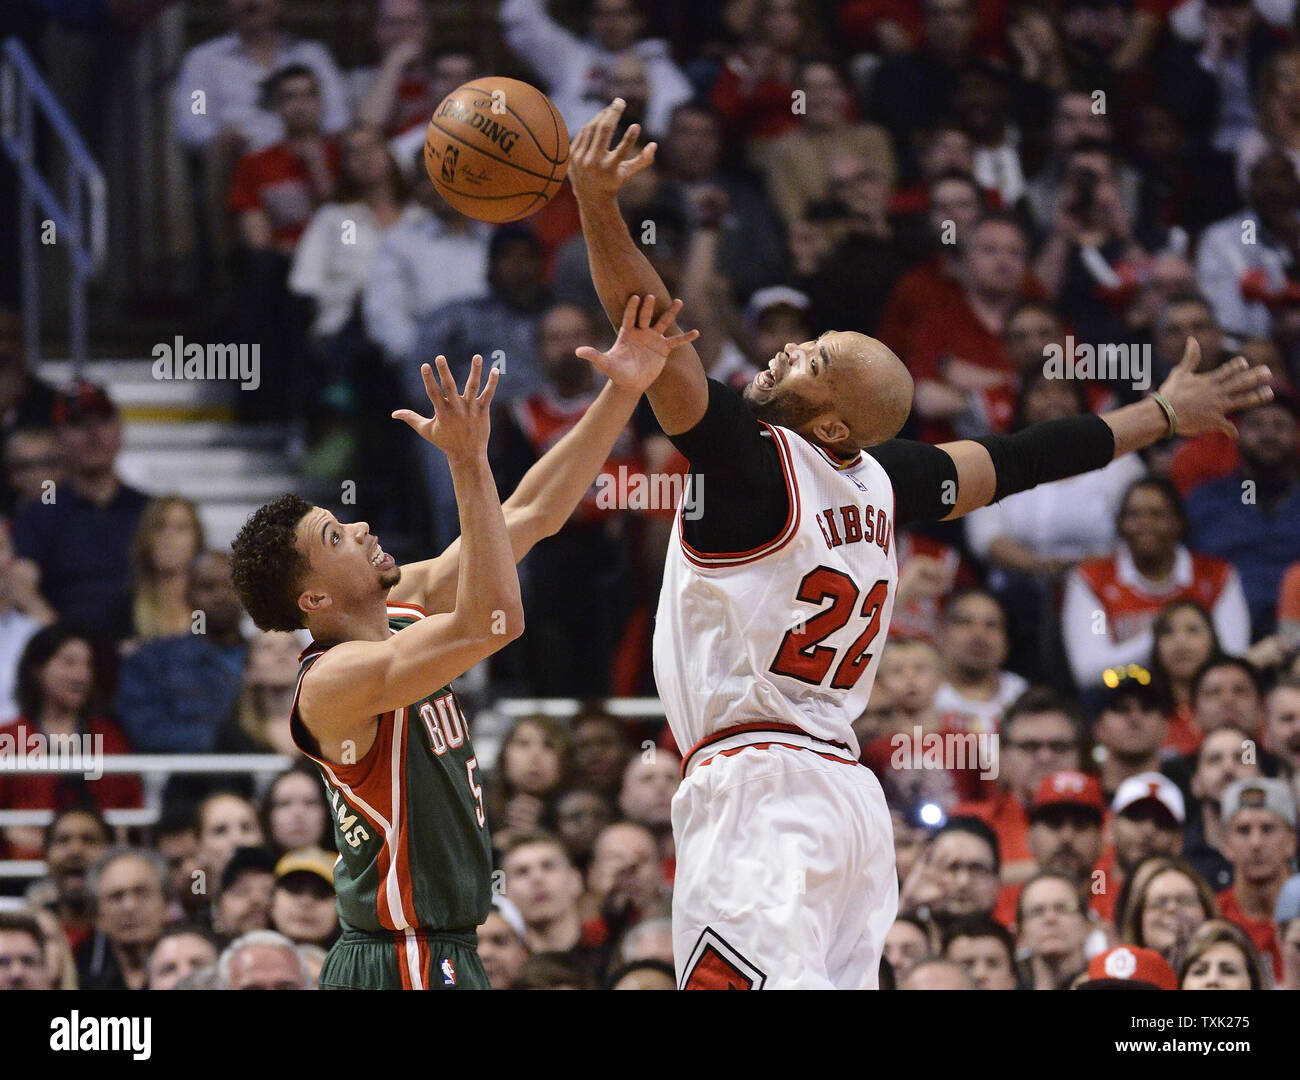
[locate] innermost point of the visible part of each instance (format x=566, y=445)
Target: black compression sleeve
x=1049, y=451
x=739, y=486
x=924, y=479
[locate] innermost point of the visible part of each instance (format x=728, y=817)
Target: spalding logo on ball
x=496, y=149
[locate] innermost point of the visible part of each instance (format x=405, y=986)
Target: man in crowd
x=129, y=889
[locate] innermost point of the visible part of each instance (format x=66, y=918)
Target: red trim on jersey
x=840, y=463
x=768, y=746
x=403, y=965
x=405, y=604
x=774, y=728
x=788, y=530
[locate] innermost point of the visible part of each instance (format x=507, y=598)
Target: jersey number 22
x=803, y=657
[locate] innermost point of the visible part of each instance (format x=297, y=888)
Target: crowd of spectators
x=982, y=184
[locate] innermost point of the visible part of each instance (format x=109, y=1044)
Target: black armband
x=1049, y=451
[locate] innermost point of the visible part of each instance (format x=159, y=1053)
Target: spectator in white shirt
x=1111, y=603
x=219, y=113
x=335, y=255
x=432, y=256
x=450, y=65
x=218, y=89
x=973, y=641
x=577, y=72
x=1244, y=262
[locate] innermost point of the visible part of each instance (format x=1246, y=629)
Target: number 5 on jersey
x=803, y=657
x=445, y=724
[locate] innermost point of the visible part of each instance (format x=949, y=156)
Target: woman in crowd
x=1183, y=638
x=1221, y=956
x=58, y=699
x=1150, y=568
x=534, y=768
x=166, y=540
x=294, y=811
x=227, y=821
x=1165, y=903
x=261, y=720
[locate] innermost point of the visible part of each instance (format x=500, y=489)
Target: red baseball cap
x=1129, y=963
x=1069, y=787
x=81, y=401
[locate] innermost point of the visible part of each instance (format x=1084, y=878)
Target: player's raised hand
x=637, y=357
x=461, y=422
x=1202, y=401
x=597, y=170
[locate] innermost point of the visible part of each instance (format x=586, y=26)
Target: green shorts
x=411, y=960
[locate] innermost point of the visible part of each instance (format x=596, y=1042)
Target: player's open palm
x=595, y=169
x=637, y=357
x=1202, y=401
x=461, y=422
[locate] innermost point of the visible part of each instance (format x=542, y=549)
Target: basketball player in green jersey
x=374, y=706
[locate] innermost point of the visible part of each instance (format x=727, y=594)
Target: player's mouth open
x=765, y=380
x=381, y=560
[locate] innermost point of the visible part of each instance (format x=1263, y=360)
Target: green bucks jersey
x=413, y=843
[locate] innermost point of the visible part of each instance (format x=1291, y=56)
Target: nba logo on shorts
x=449, y=157
x=448, y=973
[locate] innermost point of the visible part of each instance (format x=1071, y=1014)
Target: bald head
x=843, y=391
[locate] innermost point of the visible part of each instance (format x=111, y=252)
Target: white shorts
x=785, y=870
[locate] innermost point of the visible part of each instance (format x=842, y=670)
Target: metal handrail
x=159, y=763
x=80, y=218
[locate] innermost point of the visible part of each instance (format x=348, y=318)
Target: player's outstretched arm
x=996, y=466
x=360, y=679
x=552, y=488
x=619, y=269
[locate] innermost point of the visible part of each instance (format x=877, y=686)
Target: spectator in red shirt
x=953, y=208
x=957, y=354
x=754, y=91
x=273, y=196
x=1259, y=819
x=399, y=93
x=1130, y=726
x=1183, y=639
x=1226, y=755
x=276, y=190
x=57, y=698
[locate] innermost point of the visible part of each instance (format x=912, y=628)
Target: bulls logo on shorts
x=715, y=965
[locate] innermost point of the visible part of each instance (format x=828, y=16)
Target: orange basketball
x=497, y=149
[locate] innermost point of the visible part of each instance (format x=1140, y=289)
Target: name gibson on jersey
x=856, y=525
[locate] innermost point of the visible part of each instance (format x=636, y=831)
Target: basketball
x=497, y=149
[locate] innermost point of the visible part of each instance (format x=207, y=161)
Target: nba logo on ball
x=448, y=973
x=449, y=157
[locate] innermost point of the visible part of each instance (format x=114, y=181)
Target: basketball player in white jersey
x=776, y=602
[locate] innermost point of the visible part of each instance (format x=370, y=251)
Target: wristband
x=1168, y=409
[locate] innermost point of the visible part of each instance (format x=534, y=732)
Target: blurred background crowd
x=979, y=183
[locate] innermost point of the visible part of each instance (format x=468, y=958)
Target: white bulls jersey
x=790, y=632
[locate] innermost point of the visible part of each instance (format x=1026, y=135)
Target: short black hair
x=976, y=827
x=267, y=567
x=270, y=88
x=1224, y=659
x=87, y=809
x=980, y=926
x=1042, y=699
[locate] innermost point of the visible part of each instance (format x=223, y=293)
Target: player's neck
x=370, y=624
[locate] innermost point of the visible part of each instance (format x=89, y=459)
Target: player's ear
x=830, y=430
x=312, y=603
